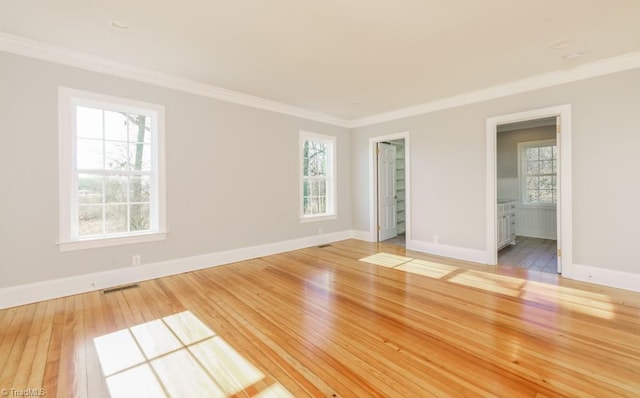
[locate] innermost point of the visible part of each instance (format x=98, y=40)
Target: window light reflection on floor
x=589, y=303
x=386, y=259
x=177, y=355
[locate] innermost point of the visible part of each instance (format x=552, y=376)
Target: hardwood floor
x=399, y=240
x=320, y=322
x=531, y=253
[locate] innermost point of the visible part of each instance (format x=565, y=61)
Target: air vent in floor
x=119, y=288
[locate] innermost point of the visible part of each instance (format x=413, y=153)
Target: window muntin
x=318, y=176
x=538, y=172
x=111, y=168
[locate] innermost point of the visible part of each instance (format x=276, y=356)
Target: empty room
x=319, y=199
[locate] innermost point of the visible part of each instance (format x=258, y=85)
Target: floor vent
x=321, y=246
x=119, y=288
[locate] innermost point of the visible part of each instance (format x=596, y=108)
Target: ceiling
x=345, y=58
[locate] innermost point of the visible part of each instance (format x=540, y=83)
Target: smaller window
x=538, y=167
x=318, y=192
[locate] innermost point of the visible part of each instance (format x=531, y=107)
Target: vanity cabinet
x=506, y=223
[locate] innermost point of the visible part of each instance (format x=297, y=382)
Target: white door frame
x=565, y=226
x=373, y=183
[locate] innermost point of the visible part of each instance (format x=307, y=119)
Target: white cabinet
x=506, y=223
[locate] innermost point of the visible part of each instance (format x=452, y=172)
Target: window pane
x=140, y=189
x=546, y=196
x=312, y=205
x=116, y=189
x=532, y=183
x=306, y=205
x=532, y=154
x=90, y=220
x=88, y=122
x=139, y=217
x=139, y=128
x=115, y=218
x=322, y=191
x=533, y=167
x=314, y=188
x=89, y=188
x=115, y=126
x=546, y=167
x=89, y=154
x=306, y=188
x=322, y=205
x=116, y=156
x=546, y=153
x=532, y=196
x=140, y=156
x=315, y=158
x=546, y=183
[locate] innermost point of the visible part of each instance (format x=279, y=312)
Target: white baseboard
x=460, y=253
x=364, y=235
x=606, y=277
x=33, y=292
x=538, y=234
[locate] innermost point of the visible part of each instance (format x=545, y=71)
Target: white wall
x=449, y=169
x=232, y=174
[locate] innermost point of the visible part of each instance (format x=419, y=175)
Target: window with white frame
x=318, y=192
x=111, y=170
x=538, y=167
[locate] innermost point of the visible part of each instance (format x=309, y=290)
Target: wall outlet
x=135, y=260
x=435, y=239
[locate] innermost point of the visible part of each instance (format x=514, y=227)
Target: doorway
x=495, y=211
x=390, y=189
x=526, y=164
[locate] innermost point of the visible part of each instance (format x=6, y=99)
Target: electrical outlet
x=135, y=260
x=435, y=239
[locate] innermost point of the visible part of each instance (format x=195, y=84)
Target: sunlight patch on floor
x=427, y=268
x=177, y=355
x=589, y=303
x=386, y=259
x=492, y=282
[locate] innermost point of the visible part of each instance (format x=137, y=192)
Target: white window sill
x=95, y=243
x=322, y=217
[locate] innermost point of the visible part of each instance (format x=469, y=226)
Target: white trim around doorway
x=373, y=182
x=565, y=191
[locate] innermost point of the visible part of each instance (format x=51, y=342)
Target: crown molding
x=35, y=49
x=47, y=52
x=580, y=72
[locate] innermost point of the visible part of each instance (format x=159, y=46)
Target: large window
x=538, y=167
x=318, y=199
x=111, y=174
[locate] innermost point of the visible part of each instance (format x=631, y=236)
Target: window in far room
x=538, y=169
x=318, y=192
x=111, y=171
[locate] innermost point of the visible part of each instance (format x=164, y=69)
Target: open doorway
x=391, y=192
x=390, y=176
x=532, y=191
x=526, y=175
